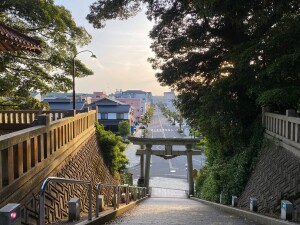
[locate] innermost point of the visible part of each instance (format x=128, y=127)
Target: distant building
x=169, y=99
x=136, y=103
x=36, y=95
x=111, y=112
x=157, y=99
x=146, y=97
x=55, y=95
x=64, y=104
x=97, y=96
x=79, y=97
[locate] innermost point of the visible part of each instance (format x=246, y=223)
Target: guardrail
x=27, y=117
x=285, y=127
x=99, y=187
x=131, y=193
x=22, y=151
x=117, y=192
x=61, y=180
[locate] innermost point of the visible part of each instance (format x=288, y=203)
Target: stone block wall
x=86, y=164
x=275, y=178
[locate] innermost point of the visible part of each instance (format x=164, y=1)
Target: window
x=104, y=116
x=120, y=116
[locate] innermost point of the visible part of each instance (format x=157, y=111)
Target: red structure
x=12, y=40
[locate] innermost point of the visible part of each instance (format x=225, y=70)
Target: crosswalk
x=161, y=130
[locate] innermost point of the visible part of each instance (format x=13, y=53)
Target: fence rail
x=61, y=180
x=23, y=150
x=27, y=117
x=284, y=127
x=130, y=193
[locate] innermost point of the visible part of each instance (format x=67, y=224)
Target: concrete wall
x=275, y=178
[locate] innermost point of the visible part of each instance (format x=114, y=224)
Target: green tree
x=124, y=128
x=225, y=59
x=22, y=73
x=174, y=116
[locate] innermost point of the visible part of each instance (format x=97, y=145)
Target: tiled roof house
x=64, y=104
x=111, y=112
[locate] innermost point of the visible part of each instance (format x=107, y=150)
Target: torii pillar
x=147, y=168
x=141, y=180
x=189, y=156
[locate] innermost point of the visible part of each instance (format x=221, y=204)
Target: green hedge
x=112, y=149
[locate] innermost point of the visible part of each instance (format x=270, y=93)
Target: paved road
x=172, y=168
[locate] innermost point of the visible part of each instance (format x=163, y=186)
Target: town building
x=111, y=112
x=169, y=99
x=64, y=104
x=97, y=95
x=136, y=103
x=146, y=98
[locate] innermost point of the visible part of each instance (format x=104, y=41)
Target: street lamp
x=73, y=74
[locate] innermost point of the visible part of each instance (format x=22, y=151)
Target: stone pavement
x=168, y=206
x=177, y=211
x=163, y=187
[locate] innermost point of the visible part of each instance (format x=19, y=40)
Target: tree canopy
x=226, y=59
x=252, y=46
x=22, y=73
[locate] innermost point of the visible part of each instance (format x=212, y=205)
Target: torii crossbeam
x=168, y=152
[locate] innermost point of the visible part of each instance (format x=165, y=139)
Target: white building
x=168, y=100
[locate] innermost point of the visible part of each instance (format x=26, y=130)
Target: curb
x=255, y=217
x=111, y=214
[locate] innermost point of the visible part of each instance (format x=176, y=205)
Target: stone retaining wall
x=86, y=164
x=275, y=178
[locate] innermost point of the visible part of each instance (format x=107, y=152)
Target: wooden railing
x=22, y=151
x=29, y=116
x=284, y=127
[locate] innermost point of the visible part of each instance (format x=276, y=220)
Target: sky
x=122, y=49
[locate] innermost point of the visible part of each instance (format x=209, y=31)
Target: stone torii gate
x=168, y=153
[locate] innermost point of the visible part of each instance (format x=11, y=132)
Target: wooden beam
x=163, y=152
x=163, y=141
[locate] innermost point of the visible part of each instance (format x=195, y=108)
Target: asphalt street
x=176, y=167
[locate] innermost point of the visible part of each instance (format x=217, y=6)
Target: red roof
x=13, y=40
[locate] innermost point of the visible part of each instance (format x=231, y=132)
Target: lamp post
x=73, y=73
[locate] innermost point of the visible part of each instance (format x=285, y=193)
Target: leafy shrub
x=112, y=149
x=206, y=185
x=126, y=178
x=124, y=128
x=180, y=131
x=280, y=99
x=227, y=172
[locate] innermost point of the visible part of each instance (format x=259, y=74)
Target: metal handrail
x=126, y=186
x=98, y=187
x=60, y=180
x=139, y=188
x=116, y=193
